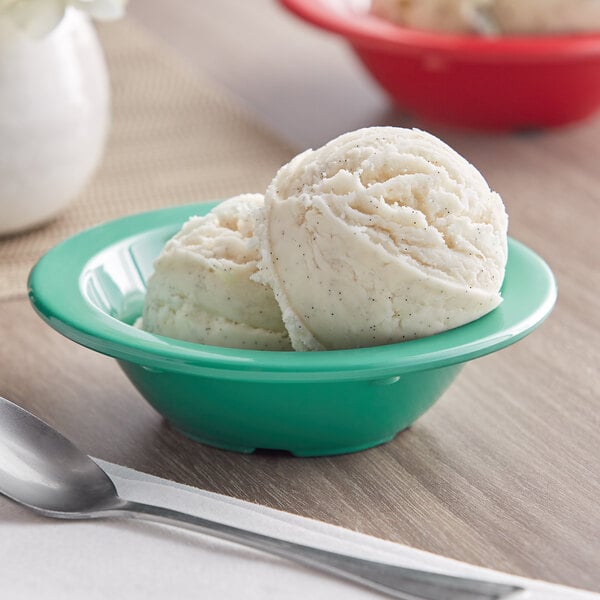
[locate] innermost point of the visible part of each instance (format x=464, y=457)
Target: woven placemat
x=175, y=138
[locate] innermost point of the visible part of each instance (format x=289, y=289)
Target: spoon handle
x=397, y=582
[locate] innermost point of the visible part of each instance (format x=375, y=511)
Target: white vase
x=54, y=115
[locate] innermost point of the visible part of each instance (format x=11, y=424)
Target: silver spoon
x=44, y=471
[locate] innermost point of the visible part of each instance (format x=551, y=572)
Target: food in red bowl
x=495, y=83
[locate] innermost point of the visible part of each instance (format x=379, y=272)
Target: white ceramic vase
x=54, y=116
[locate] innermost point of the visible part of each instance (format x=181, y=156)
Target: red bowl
x=502, y=83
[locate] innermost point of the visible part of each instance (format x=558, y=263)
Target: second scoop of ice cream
x=201, y=289
x=382, y=235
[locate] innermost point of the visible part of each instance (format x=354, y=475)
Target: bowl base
x=307, y=418
x=298, y=452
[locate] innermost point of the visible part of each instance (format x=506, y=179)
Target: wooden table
x=504, y=471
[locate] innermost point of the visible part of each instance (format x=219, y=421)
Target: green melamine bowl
x=91, y=289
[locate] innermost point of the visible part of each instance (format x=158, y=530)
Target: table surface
x=504, y=471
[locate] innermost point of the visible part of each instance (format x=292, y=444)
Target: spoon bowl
x=44, y=471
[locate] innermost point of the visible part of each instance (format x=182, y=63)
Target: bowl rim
x=57, y=294
x=365, y=30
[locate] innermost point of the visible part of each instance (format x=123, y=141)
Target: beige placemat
x=175, y=138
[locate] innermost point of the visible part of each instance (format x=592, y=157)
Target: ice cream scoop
x=491, y=17
x=201, y=289
x=452, y=16
x=546, y=16
x=382, y=235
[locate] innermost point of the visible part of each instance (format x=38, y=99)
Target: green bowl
x=91, y=289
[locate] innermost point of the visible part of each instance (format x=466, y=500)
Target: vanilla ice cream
x=451, y=16
x=201, y=289
x=493, y=17
x=382, y=235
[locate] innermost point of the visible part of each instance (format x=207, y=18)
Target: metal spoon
x=44, y=471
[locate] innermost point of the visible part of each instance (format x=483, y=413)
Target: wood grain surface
x=503, y=472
